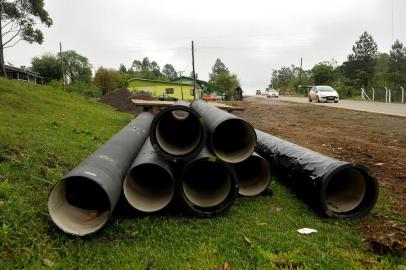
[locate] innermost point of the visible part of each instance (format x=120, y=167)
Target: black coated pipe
x=207, y=186
x=340, y=189
x=254, y=175
x=178, y=132
x=231, y=138
x=149, y=185
x=82, y=202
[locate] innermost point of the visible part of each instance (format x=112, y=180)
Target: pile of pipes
x=204, y=157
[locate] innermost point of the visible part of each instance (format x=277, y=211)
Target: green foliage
x=169, y=71
x=218, y=68
x=109, y=79
x=84, y=89
x=122, y=68
x=360, y=65
x=51, y=131
x=19, y=19
x=284, y=78
x=18, y=22
x=397, y=64
x=146, y=70
x=324, y=73
x=76, y=67
x=48, y=66
x=222, y=81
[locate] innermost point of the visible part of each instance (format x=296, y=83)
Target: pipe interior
x=149, y=188
x=233, y=140
x=178, y=132
x=254, y=175
x=79, y=206
x=206, y=184
x=346, y=190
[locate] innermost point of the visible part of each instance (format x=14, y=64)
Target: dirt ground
x=374, y=140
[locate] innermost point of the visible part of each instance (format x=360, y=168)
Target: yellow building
x=179, y=90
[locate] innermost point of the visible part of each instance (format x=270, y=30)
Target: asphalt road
x=365, y=106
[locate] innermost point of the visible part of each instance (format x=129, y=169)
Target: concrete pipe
x=178, y=132
x=149, y=185
x=340, y=189
x=254, y=175
x=82, y=202
x=231, y=138
x=207, y=186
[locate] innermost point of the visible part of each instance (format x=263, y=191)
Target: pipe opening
x=79, y=206
x=233, y=140
x=346, y=190
x=149, y=188
x=254, y=175
x=206, y=183
x=178, y=132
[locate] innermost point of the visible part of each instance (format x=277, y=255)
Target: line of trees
x=365, y=67
x=222, y=81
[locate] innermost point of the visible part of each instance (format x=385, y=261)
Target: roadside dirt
x=121, y=99
x=374, y=140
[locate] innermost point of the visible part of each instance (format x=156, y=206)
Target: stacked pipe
x=188, y=154
x=204, y=157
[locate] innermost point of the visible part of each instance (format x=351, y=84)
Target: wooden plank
x=159, y=103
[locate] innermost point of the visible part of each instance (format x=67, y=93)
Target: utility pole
x=300, y=71
x=194, y=73
x=63, y=72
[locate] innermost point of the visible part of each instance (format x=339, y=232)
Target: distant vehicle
x=258, y=93
x=209, y=98
x=166, y=97
x=323, y=93
x=272, y=94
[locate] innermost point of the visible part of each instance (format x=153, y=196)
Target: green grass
x=45, y=132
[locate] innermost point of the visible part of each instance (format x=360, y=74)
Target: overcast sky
x=250, y=37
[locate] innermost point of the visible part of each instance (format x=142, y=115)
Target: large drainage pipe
x=254, y=175
x=82, y=202
x=207, y=185
x=231, y=138
x=340, y=189
x=178, y=132
x=149, y=185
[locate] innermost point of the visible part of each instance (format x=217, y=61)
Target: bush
x=85, y=89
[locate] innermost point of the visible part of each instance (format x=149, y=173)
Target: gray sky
x=250, y=37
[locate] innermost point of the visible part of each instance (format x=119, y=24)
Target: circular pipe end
x=79, y=206
x=254, y=175
x=233, y=140
x=149, y=188
x=208, y=187
x=349, y=191
x=178, y=132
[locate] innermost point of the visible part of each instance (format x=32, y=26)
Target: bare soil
x=375, y=140
x=121, y=99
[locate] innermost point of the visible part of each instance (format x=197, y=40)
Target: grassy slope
x=44, y=132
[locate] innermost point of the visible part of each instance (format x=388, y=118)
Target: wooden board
x=159, y=103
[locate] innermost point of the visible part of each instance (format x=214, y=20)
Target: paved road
x=375, y=107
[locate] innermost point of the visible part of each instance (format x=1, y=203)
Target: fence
x=384, y=95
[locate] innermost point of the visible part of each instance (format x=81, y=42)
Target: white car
x=323, y=93
x=272, y=94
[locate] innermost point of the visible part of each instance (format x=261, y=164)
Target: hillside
x=45, y=132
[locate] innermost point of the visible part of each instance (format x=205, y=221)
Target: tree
x=218, y=68
x=48, y=66
x=18, y=20
x=221, y=81
x=397, y=64
x=108, y=79
x=169, y=71
x=360, y=65
x=323, y=73
x=122, y=68
x=77, y=67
